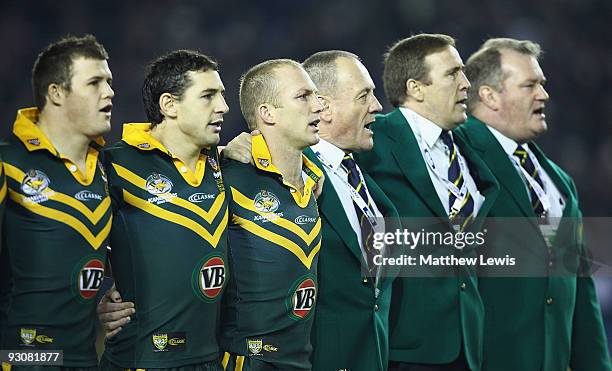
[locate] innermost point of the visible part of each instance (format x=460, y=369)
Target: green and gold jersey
x=56, y=226
x=169, y=252
x=275, y=237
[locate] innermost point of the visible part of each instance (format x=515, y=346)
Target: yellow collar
x=31, y=136
x=263, y=161
x=138, y=135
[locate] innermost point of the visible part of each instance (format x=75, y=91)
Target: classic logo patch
x=255, y=346
x=303, y=219
x=169, y=342
x=86, y=195
x=35, y=336
x=302, y=298
x=200, y=197
x=266, y=202
x=158, y=184
x=34, y=182
x=209, y=277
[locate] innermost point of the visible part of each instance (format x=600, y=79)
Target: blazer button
x=462, y=286
x=365, y=280
x=549, y=301
x=375, y=307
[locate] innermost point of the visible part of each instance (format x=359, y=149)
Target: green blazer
x=548, y=323
x=431, y=318
x=351, y=325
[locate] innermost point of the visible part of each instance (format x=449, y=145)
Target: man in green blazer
x=435, y=322
x=544, y=320
x=351, y=319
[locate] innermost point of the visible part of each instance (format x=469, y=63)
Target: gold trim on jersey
x=139, y=182
x=179, y=219
x=33, y=139
x=94, y=240
x=248, y=204
x=93, y=216
x=138, y=135
x=279, y=240
x=3, y=188
x=263, y=161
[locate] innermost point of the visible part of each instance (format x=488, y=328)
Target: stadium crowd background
x=575, y=34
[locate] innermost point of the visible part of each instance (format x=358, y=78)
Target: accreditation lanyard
x=537, y=188
x=355, y=196
x=459, y=193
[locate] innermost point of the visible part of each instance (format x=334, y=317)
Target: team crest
x=266, y=202
x=264, y=162
x=158, y=184
x=34, y=182
x=213, y=163
x=160, y=341
x=255, y=346
x=28, y=335
x=302, y=298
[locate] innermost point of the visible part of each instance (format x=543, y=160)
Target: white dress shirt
x=338, y=175
x=428, y=134
x=554, y=196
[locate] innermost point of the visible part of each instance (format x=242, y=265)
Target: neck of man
x=287, y=159
x=492, y=119
x=61, y=132
x=177, y=143
x=423, y=110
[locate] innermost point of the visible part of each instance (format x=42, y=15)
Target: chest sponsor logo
x=169, y=342
x=304, y=219
x=200, y=197
x=34, y=182
x=266, y=202
x=158, y=184
x=212, y=277
x=303, y=298
x=86, y=195
x=35, y=337
x=90, y=278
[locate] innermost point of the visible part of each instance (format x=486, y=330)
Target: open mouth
x=217, y=123
x=314, y=123
x=107, y=109
x=539, y=111
x=462, y=102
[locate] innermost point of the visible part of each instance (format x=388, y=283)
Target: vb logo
x=212, y=277
x=90, y=278
x=303, y=298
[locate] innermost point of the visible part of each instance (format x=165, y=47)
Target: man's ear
x=489, y=97
x=266, y=113
x=56, y=94
x=414, y=90
x=326, y=114
x=167, y=105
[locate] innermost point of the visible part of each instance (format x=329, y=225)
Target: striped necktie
x=366, y=228
x=530, y=168
x=466, y=211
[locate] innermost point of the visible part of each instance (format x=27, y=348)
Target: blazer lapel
x=406, y=152
x=497, y=160
x=331, y=208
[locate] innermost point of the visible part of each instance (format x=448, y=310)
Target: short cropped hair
x=405, y=60
x=484, y=66
x=322, y=69
x=169, y=74
x=54, y=64
x=259, y=85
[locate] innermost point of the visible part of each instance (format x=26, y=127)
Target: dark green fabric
x=431, y=318
x=260, y=319
x=106, y=365
x=159, y=263
x=522, y=331
x=351, y=325
x=48, y=258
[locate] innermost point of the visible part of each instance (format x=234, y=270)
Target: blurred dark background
x=576, y=36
